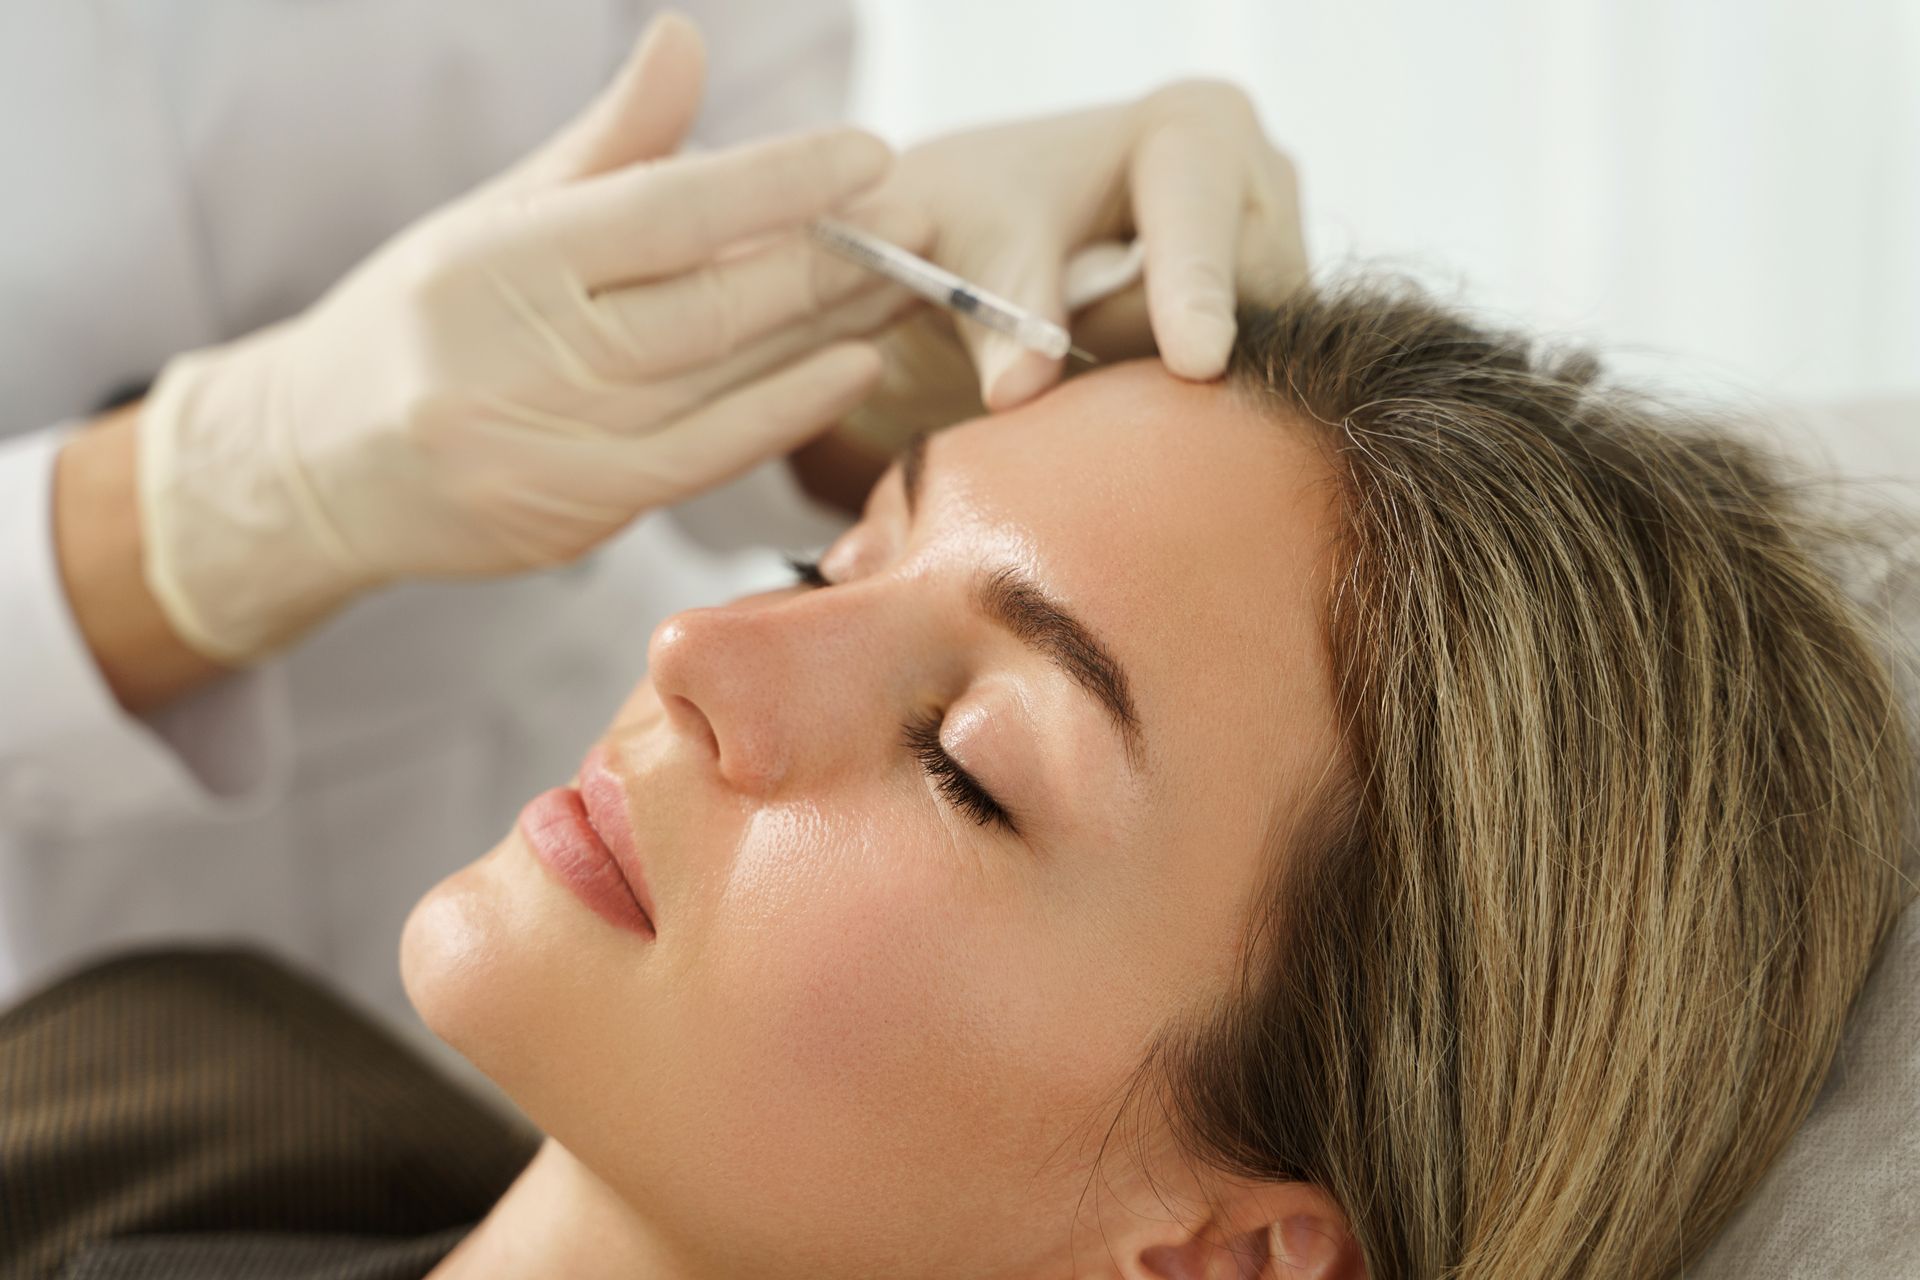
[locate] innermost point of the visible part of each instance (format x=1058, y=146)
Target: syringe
x=945, y=289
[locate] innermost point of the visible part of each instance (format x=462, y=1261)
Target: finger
x=863, y=315
x=644, y=113
x=577, y=485
x=723, y=305
x=1189, y=192
x=768, y=417
x=645, y=222
x=929, y=382
x=1027, y=272
x=1271, y=263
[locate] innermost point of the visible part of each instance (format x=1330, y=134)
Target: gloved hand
x=512, y=379
x=1186, y=170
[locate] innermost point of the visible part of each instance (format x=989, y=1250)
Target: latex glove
x=1185, y=169
x=512, y=379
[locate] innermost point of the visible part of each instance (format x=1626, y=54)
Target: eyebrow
x=1016, y=602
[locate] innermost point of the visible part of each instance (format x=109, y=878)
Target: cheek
x=895, y=1025
x=851, y=943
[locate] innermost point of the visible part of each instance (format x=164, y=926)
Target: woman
x=1402, y=811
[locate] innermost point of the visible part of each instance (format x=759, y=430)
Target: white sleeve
x=71, y=758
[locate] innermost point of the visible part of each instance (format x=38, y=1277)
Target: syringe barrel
x=1031, y=331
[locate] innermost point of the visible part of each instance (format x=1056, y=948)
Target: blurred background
x=1725, y=192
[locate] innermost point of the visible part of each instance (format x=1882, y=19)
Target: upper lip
x=604, y=795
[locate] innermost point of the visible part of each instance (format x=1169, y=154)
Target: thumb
x=1026, y=272
x=643, y=114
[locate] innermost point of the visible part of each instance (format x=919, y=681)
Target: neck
x=557, y=1219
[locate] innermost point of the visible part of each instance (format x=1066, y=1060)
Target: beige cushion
x=1844, y=1199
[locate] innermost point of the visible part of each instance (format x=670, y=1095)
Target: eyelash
x=955, y=783
x=806, y=572
x=922, y=738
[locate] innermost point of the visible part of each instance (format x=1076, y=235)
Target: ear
x=1258, y=1231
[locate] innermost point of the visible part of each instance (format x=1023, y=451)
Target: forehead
x=1190, y=528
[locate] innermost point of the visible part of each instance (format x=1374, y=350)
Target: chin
x=456, y=955
x=493, y=958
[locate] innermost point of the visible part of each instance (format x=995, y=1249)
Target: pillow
x=1844, y=1197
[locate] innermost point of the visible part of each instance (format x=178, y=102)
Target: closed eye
x=922, y=738
x=960, y=788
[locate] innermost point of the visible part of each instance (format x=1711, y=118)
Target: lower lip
x=555, y=824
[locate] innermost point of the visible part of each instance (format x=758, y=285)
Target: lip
x=585, y=838
x=604, y=792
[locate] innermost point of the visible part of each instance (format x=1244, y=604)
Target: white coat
x=178, y=172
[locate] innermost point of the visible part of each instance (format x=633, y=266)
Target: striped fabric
x=213, y=1113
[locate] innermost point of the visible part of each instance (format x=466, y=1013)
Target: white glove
x=512, y=379
x=1021, y=208
x=929, y=381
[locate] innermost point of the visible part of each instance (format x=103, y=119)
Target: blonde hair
x=1563, y=963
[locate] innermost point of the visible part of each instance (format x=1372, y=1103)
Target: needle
x=943, y=288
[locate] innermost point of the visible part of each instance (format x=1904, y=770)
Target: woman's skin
x=873, y=1036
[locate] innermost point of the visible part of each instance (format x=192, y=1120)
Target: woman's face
x=879, y=1027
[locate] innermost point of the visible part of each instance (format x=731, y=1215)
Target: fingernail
x=996, y=358
x=1204, y=343
x=1011, y=374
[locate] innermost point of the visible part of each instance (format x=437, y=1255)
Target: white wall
x=1732, y=183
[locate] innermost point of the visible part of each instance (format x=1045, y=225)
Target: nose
x=704, y=665
x=773, y=688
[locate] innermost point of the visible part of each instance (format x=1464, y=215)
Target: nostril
x=686, y=713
